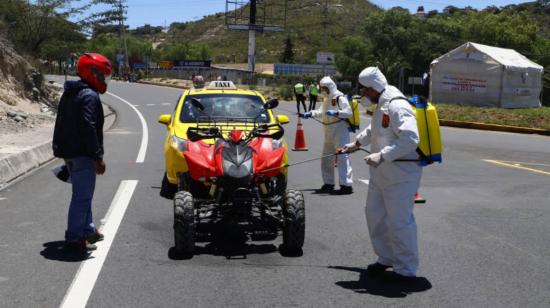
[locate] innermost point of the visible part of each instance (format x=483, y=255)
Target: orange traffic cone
x=418, y=199
x=300, y=140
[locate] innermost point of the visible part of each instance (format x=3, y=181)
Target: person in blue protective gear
x=392, y=135
x=334, y=111
x=78, y=138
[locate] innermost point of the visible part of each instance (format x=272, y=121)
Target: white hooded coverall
x=336, y=134
x=392, y=185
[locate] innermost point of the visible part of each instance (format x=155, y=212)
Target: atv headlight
x=277, y=143
x=178, y=144
x=237, y=171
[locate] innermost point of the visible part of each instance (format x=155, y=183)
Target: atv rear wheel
x=294, y=222
x=184, y=223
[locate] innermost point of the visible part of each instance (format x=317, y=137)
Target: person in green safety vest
x=313, y=92
x=299, y=91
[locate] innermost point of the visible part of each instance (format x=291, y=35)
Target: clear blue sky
x=157, y=12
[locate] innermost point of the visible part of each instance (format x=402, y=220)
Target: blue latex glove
x=332, y=113
x=307, y=115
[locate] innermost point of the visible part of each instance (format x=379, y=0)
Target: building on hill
x=420, y=13
x=481, y=75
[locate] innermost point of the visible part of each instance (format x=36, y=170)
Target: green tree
x=105, y=44
x=175, y=52
x=355, y=56
x=401, y=40
x=31, y=25
x=66, y=39
x=288, y=53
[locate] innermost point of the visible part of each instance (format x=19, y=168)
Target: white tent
x=480, y=75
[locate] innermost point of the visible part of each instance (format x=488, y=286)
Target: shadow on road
x=316, y=191
x=377, y=286
x=57, y=251
x=228, y=241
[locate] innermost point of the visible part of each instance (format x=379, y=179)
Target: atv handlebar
x=197, y=133
x=259, y=130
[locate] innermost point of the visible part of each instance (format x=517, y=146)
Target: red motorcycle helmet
x=95, y=70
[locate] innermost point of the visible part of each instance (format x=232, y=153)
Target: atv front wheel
x=184, y=223
x=294, y=222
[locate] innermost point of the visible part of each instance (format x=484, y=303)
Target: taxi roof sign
x=222, y=85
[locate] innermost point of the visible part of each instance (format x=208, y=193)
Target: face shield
x=107, y=79
x=365, y=101
x=104, y=79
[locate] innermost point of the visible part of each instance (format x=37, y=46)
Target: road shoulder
x=20, y=158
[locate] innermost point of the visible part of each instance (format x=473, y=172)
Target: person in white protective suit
x=392, y=135
x=333, y=112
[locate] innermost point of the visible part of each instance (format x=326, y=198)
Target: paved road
x=483, y=235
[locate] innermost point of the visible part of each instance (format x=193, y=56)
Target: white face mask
x=365, y=101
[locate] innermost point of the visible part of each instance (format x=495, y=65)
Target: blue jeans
x=80, y=223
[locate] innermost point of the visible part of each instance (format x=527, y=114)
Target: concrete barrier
x=17, y=164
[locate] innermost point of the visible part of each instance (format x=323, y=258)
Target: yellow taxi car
x=223, y=103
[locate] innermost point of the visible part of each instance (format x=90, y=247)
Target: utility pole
x=122, y=37
x=252, y=38
x=325, y=24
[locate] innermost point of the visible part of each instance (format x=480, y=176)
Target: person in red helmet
x=78, y=139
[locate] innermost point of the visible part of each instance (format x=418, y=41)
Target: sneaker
x=394, y=277
x=81, y=245
x=344, y=190
x=326, y=188
x=377, y=269
x=95, y=237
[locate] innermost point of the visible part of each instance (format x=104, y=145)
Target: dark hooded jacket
x=79, y=124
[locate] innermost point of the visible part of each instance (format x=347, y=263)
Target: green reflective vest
x=299, y=88
x=313, y=90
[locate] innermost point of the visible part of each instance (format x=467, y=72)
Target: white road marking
x=136, y=105
x=149, y=105
x=1, y=198
x=364, y=181
x=83, y=283
x=166, y=104
x=144, y=136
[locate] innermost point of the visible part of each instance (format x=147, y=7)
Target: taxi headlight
x=178, y=144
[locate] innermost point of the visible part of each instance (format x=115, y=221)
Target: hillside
x=539, y=12
x=25, y=100
x=304, y=24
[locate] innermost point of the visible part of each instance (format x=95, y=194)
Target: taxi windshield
x=234, y=108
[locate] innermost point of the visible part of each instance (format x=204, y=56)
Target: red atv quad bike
x=239, y=180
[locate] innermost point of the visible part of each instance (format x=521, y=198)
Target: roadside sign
x=166, y=64
x=193, y=63
x=139, y=65
x=415, y=81
x=325, y=57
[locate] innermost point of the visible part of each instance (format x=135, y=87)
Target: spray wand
x=330, y=155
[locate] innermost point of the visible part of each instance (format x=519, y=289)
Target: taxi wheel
x=184, y=223
x=167, y=189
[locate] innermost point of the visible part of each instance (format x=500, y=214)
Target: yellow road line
x=516, y=165
x=523, y=163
